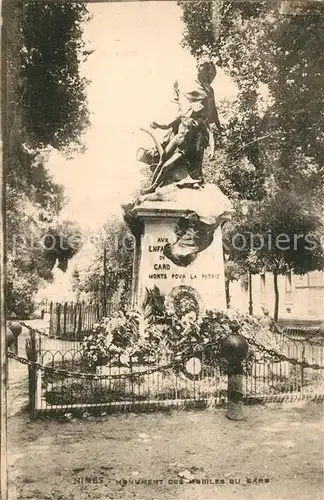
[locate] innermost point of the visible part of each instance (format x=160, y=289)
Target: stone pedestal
x=235, y=409
x=203, y=278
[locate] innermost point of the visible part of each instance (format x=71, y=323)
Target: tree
x=28, y=264
x=54, y=93
x=233, y=272
x=276, y=62
x=61, y=242
x=104, y=267
x=274, y=145
x=280, y=234
x=44, y=102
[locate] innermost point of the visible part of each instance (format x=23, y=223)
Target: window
x=288, y=286
x=316, y=279
x=302, y=281
x=245, y=283
x=262, y=283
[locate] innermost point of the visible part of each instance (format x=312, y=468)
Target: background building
x=301, y=298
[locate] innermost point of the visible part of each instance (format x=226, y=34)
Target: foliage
x=280, y=234
x=233, y=271
x=126, y=335
x=45, y=108
x=112, y=338
x=123, y=338
x=54, y=93
x=273, y=145
x=85, y=392
x=20, y=289
x=33, y=203
x=275, y=61
x=132, y=221
x=154, y=304
x=62, y=241
x=115, y=241
x=151, y=387
x=198, y=36
x=33, y=250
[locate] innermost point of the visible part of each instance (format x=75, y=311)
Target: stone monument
x=178, y=219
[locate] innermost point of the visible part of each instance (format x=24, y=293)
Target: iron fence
x=135, y=386
x=72, y=321
x=42, y=307
x=304, y=332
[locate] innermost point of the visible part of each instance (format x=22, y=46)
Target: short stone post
x=234, y=350
x=14, y=329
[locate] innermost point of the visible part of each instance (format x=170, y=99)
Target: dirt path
x=274, y=454
x=17, y=397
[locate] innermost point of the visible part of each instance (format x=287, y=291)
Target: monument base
x=202, y=281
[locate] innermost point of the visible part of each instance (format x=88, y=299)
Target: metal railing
x=70, y=385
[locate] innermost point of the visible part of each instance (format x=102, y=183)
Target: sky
x=137, y=57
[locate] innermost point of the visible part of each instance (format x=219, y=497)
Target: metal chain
x=149, y=371
x=283, y=333
x=310, y=341
x=92, y=376
x=283, y=357
x=175, y=364
x=35, y=330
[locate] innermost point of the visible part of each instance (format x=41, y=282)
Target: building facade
x=301, y=298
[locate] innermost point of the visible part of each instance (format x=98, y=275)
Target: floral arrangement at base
x=112, y=338
x=155, y=334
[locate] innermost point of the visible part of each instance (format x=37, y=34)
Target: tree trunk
x=216, y=7
x=9, y=25
x=276, y=291
x=250, y=295
x=227, y=294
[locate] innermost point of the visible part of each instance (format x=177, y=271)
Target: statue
x=176, y=164
x=192, y=130
x=186, y=128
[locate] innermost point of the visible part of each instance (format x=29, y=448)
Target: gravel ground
x=275, y=453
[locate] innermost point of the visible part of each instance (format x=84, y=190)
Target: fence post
x=71, y=320
x=80, y=321
x=58, y=319
x=75, y=322
x=64, y=317
x=235, y=395
x=131, y=379
x=302, y=371
x=51, y=319
x=32, y=355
